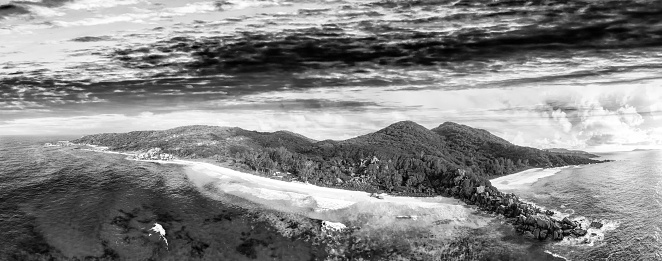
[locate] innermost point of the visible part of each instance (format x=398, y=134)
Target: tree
x=306, y=169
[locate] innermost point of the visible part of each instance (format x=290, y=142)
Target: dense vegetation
x=402, y=158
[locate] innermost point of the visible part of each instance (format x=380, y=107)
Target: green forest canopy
x=404, y=157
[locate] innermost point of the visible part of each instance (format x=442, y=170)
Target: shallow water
x=65, y=204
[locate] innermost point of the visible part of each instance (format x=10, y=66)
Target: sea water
x=69, y=204
x=66, y=204
x=624, y=195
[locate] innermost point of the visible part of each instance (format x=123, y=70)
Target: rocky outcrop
x=527, y=218
x=332, y=226
x=596, y=224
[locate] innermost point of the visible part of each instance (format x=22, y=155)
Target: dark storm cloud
x=551, y=29
x=298, y=104
x=264, y=57
x=12, y=9
x=26, y=96
x=21, y=7
x=164, y=95
x=46, y=3
x=594, y=73
x=91, y=39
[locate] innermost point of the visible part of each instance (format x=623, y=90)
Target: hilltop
x=404, y=157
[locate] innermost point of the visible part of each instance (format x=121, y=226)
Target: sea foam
x=556, y=255
x=594, y=235
x=157, y=228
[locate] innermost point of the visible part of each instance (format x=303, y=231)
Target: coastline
x=524, y=178
x=447, y=218
x=446, y=215
x=357, y=208
x=519, y=181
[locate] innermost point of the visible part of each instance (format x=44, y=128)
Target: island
x=403, y=159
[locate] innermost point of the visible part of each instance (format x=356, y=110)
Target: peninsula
x=403, y=159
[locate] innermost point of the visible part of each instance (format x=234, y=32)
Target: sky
x=89, y=66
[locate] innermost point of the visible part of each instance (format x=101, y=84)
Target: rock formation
x=526, y=218
x=596, y=224
x=332, y=226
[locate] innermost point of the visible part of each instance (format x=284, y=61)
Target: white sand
x=523, y=179
x=326, y=198
x=440, y=214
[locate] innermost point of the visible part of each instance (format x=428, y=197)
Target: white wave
x=556, y=255
x=594, y=235
x=157, y=228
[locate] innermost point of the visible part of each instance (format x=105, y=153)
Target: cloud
x=571, y=117
x=12, y=105
x=92, y=21
x=321, y=125
x=192, y=8
x=91, y=39
x=600, y=115
x=46, y=3
x=255, y=103
x=560, y=116
x=98, y=4
x=11, y=9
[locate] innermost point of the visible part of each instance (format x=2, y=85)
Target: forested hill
x=572, y=152
x=403, y=157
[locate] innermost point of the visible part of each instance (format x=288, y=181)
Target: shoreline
x=525, y=178
x=216, y=171
x=442, y=214
x=446, y=215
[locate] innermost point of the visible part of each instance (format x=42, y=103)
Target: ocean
x=63, y=204
x=624, y=195
x=552, y=73
x=59, y=204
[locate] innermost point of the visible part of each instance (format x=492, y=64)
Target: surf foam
x=157, y=228
x=556, y=255
x=593, y=235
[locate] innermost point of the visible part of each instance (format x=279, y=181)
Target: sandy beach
x=441, y=215
x=524, y=178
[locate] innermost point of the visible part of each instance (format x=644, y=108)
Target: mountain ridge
x=572, y=152
x=403, y=157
